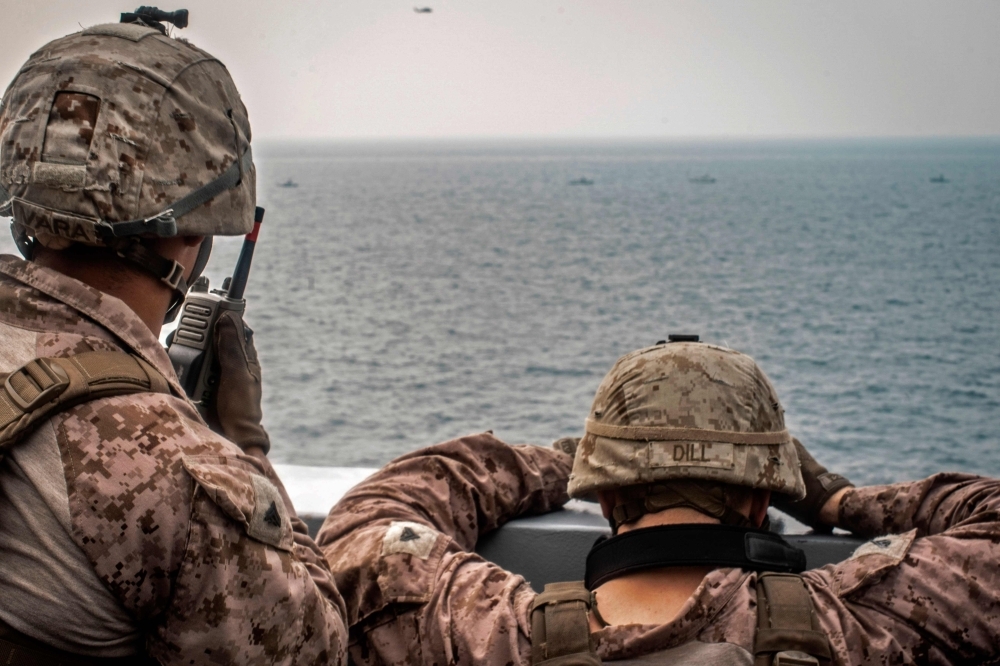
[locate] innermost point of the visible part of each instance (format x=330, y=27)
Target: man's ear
x=759, y=501
x=607, y=500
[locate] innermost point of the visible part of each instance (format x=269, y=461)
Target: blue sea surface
x=407, y=293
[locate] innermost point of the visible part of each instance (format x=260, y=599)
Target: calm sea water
x=407, y=293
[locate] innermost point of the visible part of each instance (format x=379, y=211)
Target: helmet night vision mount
x=125, y=136
x=154, y=17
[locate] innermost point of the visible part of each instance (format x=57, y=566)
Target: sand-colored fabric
x=174, y=521
x=45, y=386
x=686, y=410
x=46, y=575
x=104, y=125
x=443, y=603
x=925, y=589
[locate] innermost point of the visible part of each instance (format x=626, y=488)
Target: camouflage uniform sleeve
x=194, y=541
x=936, y=504
x=399, y=546
x=299, y=526
x=926, y=588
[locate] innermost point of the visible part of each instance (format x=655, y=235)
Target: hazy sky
x=659, y=68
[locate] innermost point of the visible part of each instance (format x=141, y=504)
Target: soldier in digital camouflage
x=131, y=532
x=683, y=438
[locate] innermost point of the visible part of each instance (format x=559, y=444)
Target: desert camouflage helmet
x=119, y=131
x=686, y=410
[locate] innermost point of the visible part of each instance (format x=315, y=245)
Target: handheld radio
x=191, y=347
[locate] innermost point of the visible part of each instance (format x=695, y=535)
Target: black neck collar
x=691, y=545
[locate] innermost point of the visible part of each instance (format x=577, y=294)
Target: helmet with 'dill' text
x=686, y=410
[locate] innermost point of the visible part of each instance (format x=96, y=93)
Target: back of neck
x=101, y=269
x=655, y=596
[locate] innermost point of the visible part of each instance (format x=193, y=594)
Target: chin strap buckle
x=163, y=225
x=174, y=278
x=168, y=271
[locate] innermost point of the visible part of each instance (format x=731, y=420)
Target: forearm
x=459, y=490
x=463, y=488
x=931, y=506
x=830, y=513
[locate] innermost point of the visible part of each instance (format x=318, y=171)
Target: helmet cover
x=686, y=410
x=116, y=123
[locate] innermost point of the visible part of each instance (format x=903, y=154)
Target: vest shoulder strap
x=44, y=387
x=788, y=631
x=560, y=630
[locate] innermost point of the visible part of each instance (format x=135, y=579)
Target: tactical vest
x=36, y=391
x=788, y=631
x=43, y=387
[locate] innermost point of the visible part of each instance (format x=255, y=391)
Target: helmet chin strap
x=204, y=252
x=168, y=271
x=126, y=238
x=704, y=497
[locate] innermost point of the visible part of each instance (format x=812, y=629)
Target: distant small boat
x=423, y=10
x=705, y=180
x=581, y=181
x=289, y=183
x=939, y=179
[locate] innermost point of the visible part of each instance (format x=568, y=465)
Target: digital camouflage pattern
x=707, y=390
x=443, y=603
x=193, y=538
x=925, y=589
x=115, y=123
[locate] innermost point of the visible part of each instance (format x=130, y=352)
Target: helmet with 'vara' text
x=121, y=132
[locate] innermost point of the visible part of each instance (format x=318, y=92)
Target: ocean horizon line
x=607, y=139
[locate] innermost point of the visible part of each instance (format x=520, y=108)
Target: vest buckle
x=36, y=383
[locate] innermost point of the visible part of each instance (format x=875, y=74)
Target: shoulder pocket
x=872, y=561
x=410, y=558
x=244, y=495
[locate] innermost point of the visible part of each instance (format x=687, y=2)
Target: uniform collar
x=707, y=601
x=110, y=312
